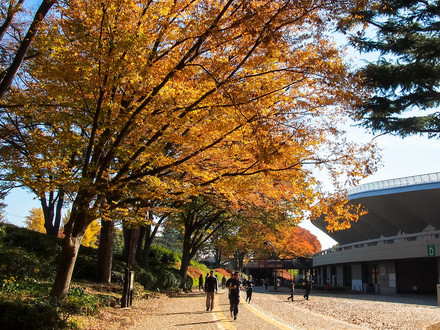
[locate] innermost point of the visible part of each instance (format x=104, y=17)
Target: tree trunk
x=218, y=255
x=52, y=208
x=48, y=211
x=149, y=236
x=80, y=218
x=139, y=251
x=67, y=263
x=105, y=252
x=131, y=236
x=187, y=254
x=74, y=232
x=186, y=259
x=58, y=210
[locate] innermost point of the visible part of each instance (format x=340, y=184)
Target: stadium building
x=393, y=249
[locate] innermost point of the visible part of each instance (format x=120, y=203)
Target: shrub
x=85, y=268
x=158, y=278
x=29, y=315
x=33, y=242
x=80, y=302
x=25, y=264
x=189, y=282
x=161, y=256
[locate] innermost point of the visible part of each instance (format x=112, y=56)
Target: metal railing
x=423, y=236
x=399, y=182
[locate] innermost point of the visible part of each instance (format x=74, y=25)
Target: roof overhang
x=407, y=209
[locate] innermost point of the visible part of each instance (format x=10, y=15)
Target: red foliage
x=298, y=242
x=194, y=272
x=61, y=233
x=224, y=272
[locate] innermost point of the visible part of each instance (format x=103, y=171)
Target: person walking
x=211, y=289
x=266, y=283
x=249, y=284
x=201, y=282
x=223, y=282
x=234, y=286
x=328, y=285
x=292, y=291
x=307, y=286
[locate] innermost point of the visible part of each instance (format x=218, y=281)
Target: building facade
x=393, y=249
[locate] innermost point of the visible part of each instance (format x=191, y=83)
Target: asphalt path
x=270, y=310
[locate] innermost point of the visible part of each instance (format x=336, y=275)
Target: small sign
x=131, y=281
x=431, y=250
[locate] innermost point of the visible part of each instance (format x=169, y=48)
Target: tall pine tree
x=406, y=76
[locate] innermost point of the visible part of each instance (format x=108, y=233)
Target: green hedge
x=22, y=314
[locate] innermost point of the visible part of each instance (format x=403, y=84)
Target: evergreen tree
x=406, y=76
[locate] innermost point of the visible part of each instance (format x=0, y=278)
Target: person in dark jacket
x=292, y=291
x=307, y=286
x=211, y=288
x=234, y=286
x=201, y=282
x=249, y=284
x=223, y=282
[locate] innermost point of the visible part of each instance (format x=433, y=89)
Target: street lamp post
x=266, y=242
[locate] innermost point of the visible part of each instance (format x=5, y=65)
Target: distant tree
x=171, y=238
x=2, y=213
x=90, y=238
x=199, y=220
x=407, y=74
x=297, y=242
x=35, y=220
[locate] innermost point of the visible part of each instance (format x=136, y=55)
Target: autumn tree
x=35, y=220
x=198, y=220
x=296, y=242
x=2, y=212
x=17, y=32
x=90, y=238
x=169, y=100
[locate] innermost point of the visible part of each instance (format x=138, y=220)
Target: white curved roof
x=393, y=209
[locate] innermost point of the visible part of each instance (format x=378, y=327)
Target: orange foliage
x=284, y=273
x=194, y=272
x=223, y=272
x=166, y=100
x=297, y=242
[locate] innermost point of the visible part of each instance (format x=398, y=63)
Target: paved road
x=271, y=311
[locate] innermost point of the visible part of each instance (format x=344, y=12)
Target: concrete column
x=438, y=270
x=339, y=275
x=387, y=276
x=356, y=276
